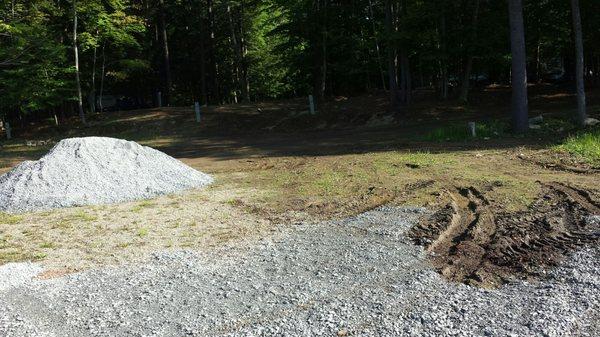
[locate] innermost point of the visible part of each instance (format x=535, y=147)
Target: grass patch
x=47, y=245
x=142, y=232
x=81, y=215
x=460, y=131
x=142, y=205
x=584, y=144
x=10, y=219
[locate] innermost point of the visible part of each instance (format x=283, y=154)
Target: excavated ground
x=473, y=240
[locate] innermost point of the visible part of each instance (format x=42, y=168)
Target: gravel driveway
x=354, y=277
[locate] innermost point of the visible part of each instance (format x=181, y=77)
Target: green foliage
x=460, y=131
x=220, y=49
x=585, y=144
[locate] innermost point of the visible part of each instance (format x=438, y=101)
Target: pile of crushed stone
x=92, y=171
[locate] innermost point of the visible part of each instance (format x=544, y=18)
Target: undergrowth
x=461, y=132
x=585, y=144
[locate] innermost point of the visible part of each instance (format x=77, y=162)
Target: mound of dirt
x=94, y=170
x=473, y=241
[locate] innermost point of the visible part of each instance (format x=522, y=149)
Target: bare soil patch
x=477, y=242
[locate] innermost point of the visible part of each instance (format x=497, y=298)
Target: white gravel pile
x=94, y=170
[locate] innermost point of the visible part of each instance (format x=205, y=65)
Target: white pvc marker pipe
x=197, y=111
x=311, y=104
x=472, y=129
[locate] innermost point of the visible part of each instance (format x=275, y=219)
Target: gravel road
x=354, y=277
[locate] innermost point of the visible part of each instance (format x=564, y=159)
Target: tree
x=466, y=82
x=519, y=105
x=76, y=52
x=168, y=84
x=391, y=55
x=579, y=62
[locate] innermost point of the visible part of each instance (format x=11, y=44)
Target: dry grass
x=84, y=237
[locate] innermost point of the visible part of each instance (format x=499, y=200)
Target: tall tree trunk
x=203, y=86
x=405, y=64
x=100, y=97
x=166, y=57
x=444, y=59
x=406, y=78
x=464, y=91
x=235, y=48
x=323, y=85
x=92, y=95
x=236, y=44
x=391, y=56
x=579, y=63
x=214, y=68
x=243, y=54
x=519, y=107
x=377, y=49
x=76, y=51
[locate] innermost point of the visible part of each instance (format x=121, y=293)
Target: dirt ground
x=503, y=207
x=476, y=241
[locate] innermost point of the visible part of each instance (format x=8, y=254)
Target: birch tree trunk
x=579, y=63
x=76, y=51
x=519, y=104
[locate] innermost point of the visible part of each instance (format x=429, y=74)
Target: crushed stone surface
x=94, y=170
x=355, y=277
x=15, y=274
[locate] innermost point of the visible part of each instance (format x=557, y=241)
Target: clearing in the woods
x=502, y=206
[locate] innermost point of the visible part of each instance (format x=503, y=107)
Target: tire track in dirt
x=473, y=241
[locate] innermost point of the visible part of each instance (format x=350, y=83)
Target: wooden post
x=159, y=99
x=8, y=131
x=197, y=111
x=311, y=104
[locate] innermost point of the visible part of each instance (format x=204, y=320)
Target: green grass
x=10, y=219
x=585, y=145
x=460, y=131
x=142, y=205
x=82, y=215
x=143, y=232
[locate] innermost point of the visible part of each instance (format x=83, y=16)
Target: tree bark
x=166, y=57
x=579, y=63
x=102, y=80
x=203, y=86
x=443, y=61
x=214, y=68
x=464, y=91
x=236, y=45
x=391, y=56
x=378, y=52
x=76, y=51
x=92, y=95
x=519, y=107
x=406, y=78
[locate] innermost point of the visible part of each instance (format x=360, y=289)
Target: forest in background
x=56, y=54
